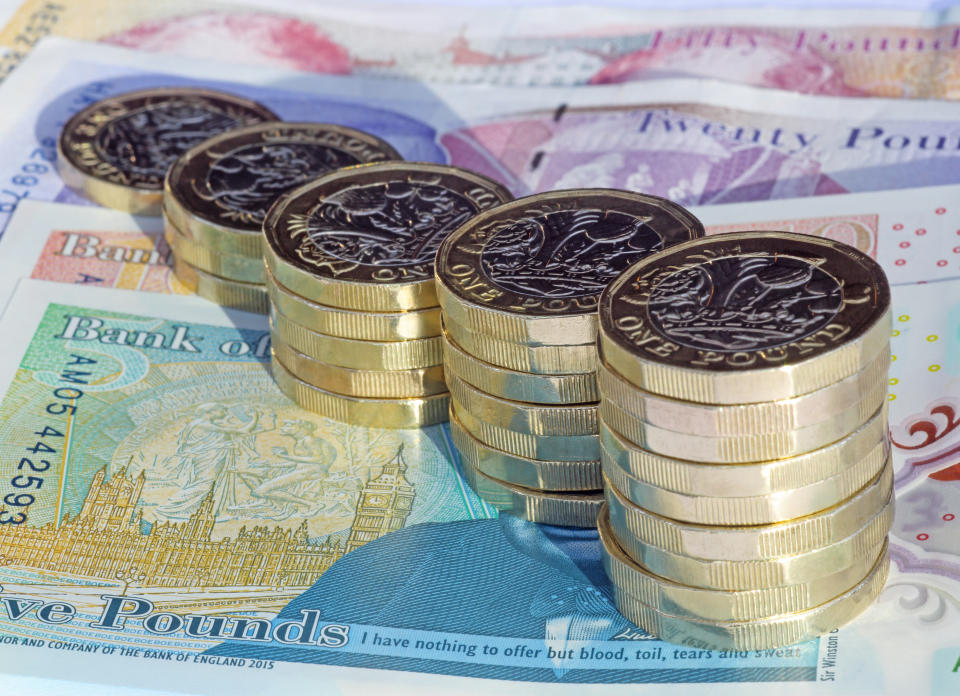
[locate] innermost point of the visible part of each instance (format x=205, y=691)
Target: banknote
x=85, y=245
x=819, y=52
x=159, y=528
x=695, y=142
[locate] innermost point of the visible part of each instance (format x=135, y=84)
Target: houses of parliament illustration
x=107, y=539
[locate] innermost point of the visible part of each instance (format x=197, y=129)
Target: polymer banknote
x=159, y=528
x=890, y=54
x=695, y=142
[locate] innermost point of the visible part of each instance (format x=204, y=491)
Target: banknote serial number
x=38, y=24
x=32, y=470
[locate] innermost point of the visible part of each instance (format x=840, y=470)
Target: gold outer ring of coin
x=743, y=448
x=767, y=508
x=752, y=575
x=249, y=297
x=570, y=509
x=867, y=446
x=229, y=266
x=530, y=473
x=518, y=386
x=688, y=366
x=533, y=419
x=373, y=413
x=473, y=299
x=762, y=634
x=677, y=599
x=544, y=447
x=548, y=360
x=753, y=542
x=119, y=196
x=357, y=355
x=368, y=384
x=393, y=290
x=346, y=323
x=799, y=412
x=186, y=195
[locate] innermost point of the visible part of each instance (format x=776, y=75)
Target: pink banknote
x=525, y=46
x=126, y=260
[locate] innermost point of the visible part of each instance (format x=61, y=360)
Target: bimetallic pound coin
x=117, y=150
x=539, y=360
x=531, y=271
x=568, y=509
x=734, y=449
x=530, y=473
x=373, y=413
x=354, y=354
x=751, y=575
x=745, y=317
x=347, y=323
x=249, y=297
x=218, y=192
x=857, y=393
x=365, y=238
x=532, y=419
x=545, y=447
x=229, y=266
x=371, y=384
x=772, y=632
x=777, y=480
x=515, y=385
x=751, y=542
x=677, y=599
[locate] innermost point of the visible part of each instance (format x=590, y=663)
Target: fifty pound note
x=695, y=142
x=819, y=52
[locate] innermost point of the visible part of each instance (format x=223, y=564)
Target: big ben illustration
x=384, y=505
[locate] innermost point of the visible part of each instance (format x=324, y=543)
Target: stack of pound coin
x=743, y=430
x=353, y=306
x=117, y=151
x=518, y=287
x=216, y=196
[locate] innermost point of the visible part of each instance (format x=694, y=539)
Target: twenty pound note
x=695, y=142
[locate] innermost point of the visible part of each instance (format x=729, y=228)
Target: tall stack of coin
x=117, y=150
x=519, y=287
x=743, y=383
x=353, y=305
x=216, y=196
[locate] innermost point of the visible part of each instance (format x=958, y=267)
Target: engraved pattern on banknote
x=246, y=180
x=146, y=141
x=392, y=224
x=743, y=304
x=567, y=253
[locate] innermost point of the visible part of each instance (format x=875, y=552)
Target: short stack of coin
x=216, y=196
x=117, y=151
x=743, y=384
x=353, y=306
x=519, y=286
